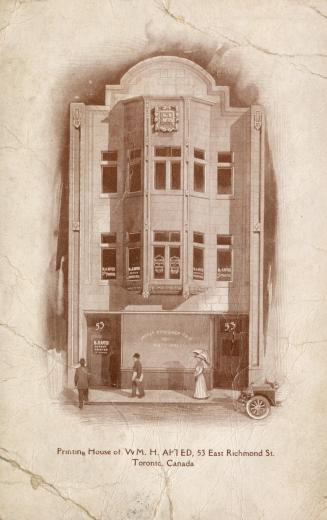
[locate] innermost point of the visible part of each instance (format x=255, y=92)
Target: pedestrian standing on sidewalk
x=137, y=377
x=82, y=383
x=200, y=391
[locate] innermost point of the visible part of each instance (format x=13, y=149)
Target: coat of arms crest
x=165, y=119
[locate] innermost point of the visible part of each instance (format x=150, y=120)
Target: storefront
x=165, y=343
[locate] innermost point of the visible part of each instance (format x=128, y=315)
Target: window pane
x=198, y=264
x=167, y=151
x=224, y=181
x=224, y=240
x=198, y=177
x=108, y=264
x=225, y=157
x=224, y=266
x=108, y=238
x=160, y=176
x=174, y=236
x=135, y=154
x=198, y=237
x=174, y=262
x=134, y=263
x=176, y=152
x=161, y=236
x=175, y=176
x=109, y=156
x=135, y=177
x=162, y=151
x=159, y=262
x=109, y=179
x=199, y=154
x=134, y=237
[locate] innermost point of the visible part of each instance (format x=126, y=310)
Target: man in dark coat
x=137, y=378
x=82, y=383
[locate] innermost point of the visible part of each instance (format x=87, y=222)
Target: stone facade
x=166, y=223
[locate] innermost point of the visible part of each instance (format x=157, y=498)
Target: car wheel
x=257, y=407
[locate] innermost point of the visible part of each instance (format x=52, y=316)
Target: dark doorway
x=231, y=350
x=104, y=349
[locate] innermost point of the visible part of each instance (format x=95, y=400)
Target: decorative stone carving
x=165, y=119
x=76, y=117
x=257, y=120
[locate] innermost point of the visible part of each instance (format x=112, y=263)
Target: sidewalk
x=102, y=396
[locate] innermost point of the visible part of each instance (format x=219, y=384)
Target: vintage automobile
x=256, y=400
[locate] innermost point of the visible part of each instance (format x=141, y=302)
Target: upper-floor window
x=225, y=173
x=109, y=171
x=198, y=237
x=198, y=255
x=224, y=258
x=166, y=255
x=134, y=170
x=199, y=171
x=108, y=256
x=167, y=168
x=134, y=256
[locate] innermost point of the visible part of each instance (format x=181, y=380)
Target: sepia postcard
x=163, y=260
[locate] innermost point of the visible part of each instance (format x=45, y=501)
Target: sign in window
x=134, y=263
x=174, y=262
x=198, y=263
x=101, y=346
x=224, y=266
x=159, y=262
x=167, y=255
x=108, y=264
x=224, y=258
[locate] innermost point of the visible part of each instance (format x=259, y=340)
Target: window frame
x=224, y=248
x=108, y=163
x=203, y=163
x=225, y=165
x=133, y=161
x=168, y=160
x=167, y=245
x=105, y=246
x=201, y=247
x=133, y=244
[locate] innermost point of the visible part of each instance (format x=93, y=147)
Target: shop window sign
x=174, y=263
x=101, y=346
x=108, y=268
x=198, y=263
x=134, y=263
x=159, y=262
x=224, y=266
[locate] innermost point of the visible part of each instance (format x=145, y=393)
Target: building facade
x=166, y=230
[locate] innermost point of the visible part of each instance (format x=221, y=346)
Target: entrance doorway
x=104, y=349
x=231, y=351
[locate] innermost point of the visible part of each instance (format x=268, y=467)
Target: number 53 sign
x=229, y=326
x=99, y=325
